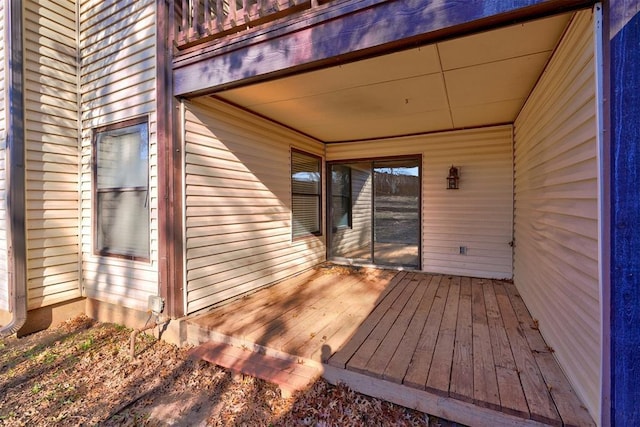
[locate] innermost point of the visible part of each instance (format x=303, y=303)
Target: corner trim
x=15, y=170
x=170, y=262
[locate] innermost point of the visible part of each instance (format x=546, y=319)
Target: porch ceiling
x=477, y=80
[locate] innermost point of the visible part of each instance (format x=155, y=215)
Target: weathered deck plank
x=512, y=397
x=399, y=362
x=462, y=370
x=571, y=411
x=307, y=327
x=241, y=311
x=527, y=324
x=342, y=356
x=440, y=373
x=368, y=348
x=485, y=381
x=309, y=331
x=535, y=390
x=334, y=329
x=278, y=330
x=380, y=359
x=466, y=340
x=420, y=363
x=324, y=345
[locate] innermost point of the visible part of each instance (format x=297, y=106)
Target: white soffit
x=476, y=80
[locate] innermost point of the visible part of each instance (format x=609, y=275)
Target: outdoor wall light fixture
x=453, y=178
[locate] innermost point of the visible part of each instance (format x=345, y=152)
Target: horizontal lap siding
x=238, y=204
x=556, y=219
x=4, y=280
x=52, y=152
x=478, y=215
x=117, y=42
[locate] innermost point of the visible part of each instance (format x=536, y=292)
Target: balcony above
x=208, y=20
x=222, y=44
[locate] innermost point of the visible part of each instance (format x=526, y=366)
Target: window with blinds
x=121, y=190
x=341, y=196
x=306, y=194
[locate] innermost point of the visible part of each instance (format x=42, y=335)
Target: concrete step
x=289, y=375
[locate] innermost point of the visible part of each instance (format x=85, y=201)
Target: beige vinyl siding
x=4, y=280
x=117, y=45
x=52, y=152
x=556, y=220
x=358, y=236
x=478, y=215
x=238, y=204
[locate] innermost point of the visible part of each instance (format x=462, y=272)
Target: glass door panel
x=396, y=212
x=350, y=211
x=374, y=212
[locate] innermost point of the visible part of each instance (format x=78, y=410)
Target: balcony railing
x=206, y=20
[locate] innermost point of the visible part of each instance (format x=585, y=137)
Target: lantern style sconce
x=453, y=178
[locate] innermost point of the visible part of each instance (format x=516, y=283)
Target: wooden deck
x=457, y=343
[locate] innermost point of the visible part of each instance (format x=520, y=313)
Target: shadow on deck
x=460, y=348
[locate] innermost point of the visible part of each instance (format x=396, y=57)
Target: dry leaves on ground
x=80, y=374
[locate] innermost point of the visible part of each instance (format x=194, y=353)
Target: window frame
x=95, y=190
x=345, y=199
x=318, y=196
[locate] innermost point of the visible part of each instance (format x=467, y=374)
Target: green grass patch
x=86, y=344
x=49, y=357
x=33, y=352
x=119, y=328
x=7, y=416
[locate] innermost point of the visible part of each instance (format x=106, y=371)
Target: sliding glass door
x=351, y=202
x=374, y=212
x=396, y=212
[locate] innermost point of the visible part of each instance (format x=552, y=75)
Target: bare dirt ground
x=80, y=373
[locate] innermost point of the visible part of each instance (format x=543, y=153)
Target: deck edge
x=439, y=406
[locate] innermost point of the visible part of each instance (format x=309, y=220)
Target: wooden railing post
x=207, y=13
x=195, y=24
x=205, y=19
x=219, y=15
x=185, y=16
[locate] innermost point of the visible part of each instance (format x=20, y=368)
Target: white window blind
x=122, y=191
x=305, y=194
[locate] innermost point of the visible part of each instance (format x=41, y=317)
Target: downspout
x=604, y=202
x=15, y=171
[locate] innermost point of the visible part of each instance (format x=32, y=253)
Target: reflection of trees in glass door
x=396, y=212
x=374, y=212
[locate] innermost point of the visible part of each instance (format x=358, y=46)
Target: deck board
x=418, y=369
x=462, y=369
x=485, y=380
x=380, y=359
x=459, y=339
x=303, y=323
x=512, y=397
x=243, y=311
x=397, y=366
x=325, y=327
x=242, y=316
x=571, y=411
x=371, y=344
x=345, y=353
x=317, y=329
x=540, y=404
x=269, y=329
x=440, y=373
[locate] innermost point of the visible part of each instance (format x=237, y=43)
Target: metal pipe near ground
x=134, y=334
